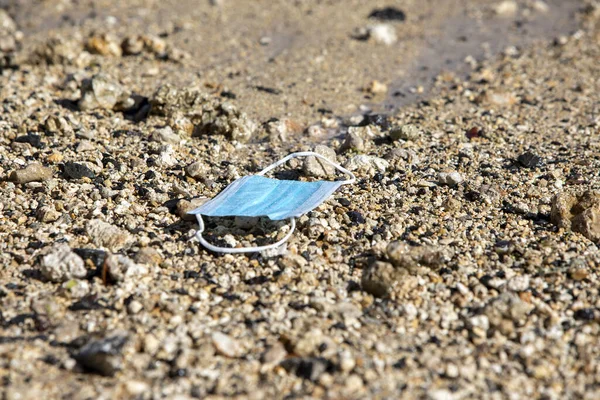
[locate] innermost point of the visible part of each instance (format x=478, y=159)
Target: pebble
x=104, y=44
x=148, y=256
x=76, y=288
x=106, y=235
x=541, y=6
x=310, y=368
x=405, y=132
x=518, y=283
x=388, y=14
x=274, y=354
x=450, y=178
x=376, y=87
x=226, y=345
x=585, y=314
x=85, y=145
x=34, y=172
x=581, y=213
x=47, y=214
x=366, y=163
x=405, y=256
x=379, y=277
x=136, y=389
x=73, y=170
x=103, y=356
x=58, y=125
x=352, y=142
x=132, y=45
x=100, y=91
x=318, y=168
x=529, y=160
x=185, y=206
x=197, y=170
x=121, y=268
x=134, y=307
x=282, y=130
x=507, y=8
x=166, y=158
x=7, y=24
x=507, y=311
x=165, y=135
x=588, y=223
x=61, y=264
x=383, y=34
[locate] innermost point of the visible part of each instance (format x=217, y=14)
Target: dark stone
x=344, y=202
x=228, y=95
x=529, y=160
x=97, y=257
x=34, y=140
x=177, y=373
x=381, y=120
x=77, y=171
x=268, y=90
x=356, y=217
x=189, y=274
x=585, y=314
x=474, y=132
x=504, y=246
x=472, y=195
x=310, y=368
x=388, y=14
x=400, y=364
x=103, y=355
x=485, y=280
x=90, y=302
x=149, y=175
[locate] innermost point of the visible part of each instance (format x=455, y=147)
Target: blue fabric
x=257, y=196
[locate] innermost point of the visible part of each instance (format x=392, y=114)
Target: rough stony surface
x=407, y=284
x=580, y=212
x=61, y=264
x=316, y=167
x=34, y=172
x=106, y=235
x=121, y=268
x=103, y=355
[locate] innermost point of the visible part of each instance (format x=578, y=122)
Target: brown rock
x=185, y=206
x=379, y=278
x=34, y=172
x=148, y=256
x=588, y=223
x=580, y=213
x=411, y=258
x=105, y=45
x=106, y=235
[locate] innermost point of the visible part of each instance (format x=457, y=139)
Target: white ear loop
x=253, y=249
x=311, y=154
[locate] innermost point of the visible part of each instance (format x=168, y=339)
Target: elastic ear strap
x=311, y=154
x=233, y=250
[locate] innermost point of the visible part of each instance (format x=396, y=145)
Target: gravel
x=406, y=283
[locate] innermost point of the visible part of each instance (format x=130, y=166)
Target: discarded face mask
x=258, y=196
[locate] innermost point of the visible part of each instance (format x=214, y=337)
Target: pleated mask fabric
x=259, y=196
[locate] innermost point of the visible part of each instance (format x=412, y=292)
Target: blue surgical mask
x=259, y=196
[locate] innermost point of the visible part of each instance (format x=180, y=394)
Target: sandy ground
x=462, y=264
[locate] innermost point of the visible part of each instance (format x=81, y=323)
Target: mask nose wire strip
x=311, y=154
x=234, y=250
